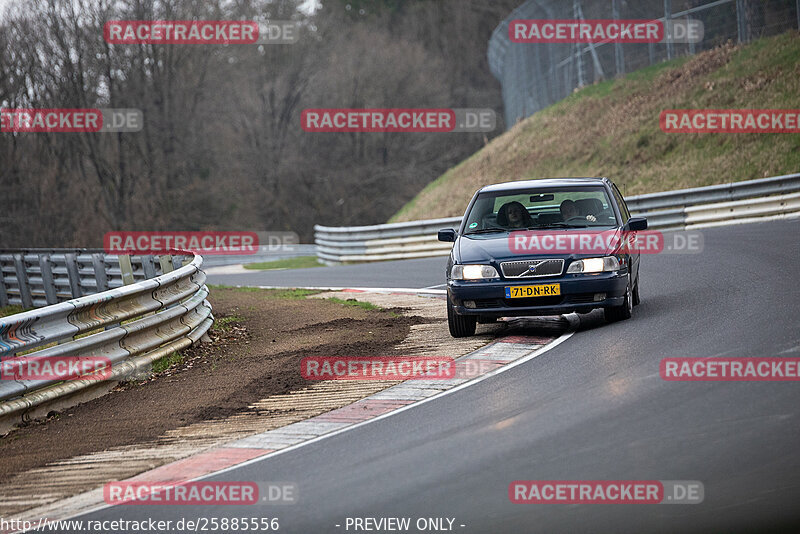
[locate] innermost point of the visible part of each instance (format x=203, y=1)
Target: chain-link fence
x=534, y=76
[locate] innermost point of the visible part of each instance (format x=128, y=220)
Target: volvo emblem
x=532, y=267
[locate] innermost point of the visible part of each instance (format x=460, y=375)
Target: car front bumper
x=579, y=293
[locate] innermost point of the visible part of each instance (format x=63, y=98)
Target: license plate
x=539, y=290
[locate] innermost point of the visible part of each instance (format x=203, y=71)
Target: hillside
x=612, y=129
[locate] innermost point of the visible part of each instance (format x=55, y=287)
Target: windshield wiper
x=486, y=231
x=557, y=225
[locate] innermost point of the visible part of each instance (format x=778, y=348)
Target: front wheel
x=460, y=325
x=620, y=313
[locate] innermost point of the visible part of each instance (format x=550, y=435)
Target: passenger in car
x=514, y=215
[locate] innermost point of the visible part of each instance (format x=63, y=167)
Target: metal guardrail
x=131, y=325
x=36, y=277
x=671, y=210
x=263, y=255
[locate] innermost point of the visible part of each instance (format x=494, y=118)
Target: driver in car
x=569, y=210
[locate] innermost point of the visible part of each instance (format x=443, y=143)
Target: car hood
x=497, y=248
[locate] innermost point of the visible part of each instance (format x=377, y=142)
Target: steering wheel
x=577, y=218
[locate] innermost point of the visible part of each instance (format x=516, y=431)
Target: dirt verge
x=258, y=340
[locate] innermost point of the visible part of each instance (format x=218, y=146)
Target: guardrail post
x=98, y=262
x=166, y=264
x=126, y=269
x=148, y=267
x=3, y=293
x=46, y=266
x=71, y=261
x=22, y=281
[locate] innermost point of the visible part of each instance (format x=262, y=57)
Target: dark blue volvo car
x=542, y=247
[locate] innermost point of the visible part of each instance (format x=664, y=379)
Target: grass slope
x=300, y=262
x=612, y=129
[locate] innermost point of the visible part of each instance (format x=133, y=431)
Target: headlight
x=594, y=265
x=473, y=272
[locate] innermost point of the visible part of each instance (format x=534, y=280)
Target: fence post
x=578, y=52
x=667, y=19
x=742, y=21
x=739, y=21
x=598, y=68
x=619, y=56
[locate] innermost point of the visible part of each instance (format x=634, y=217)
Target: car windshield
x=543, y=208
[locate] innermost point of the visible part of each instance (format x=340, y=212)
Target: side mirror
x=637, y=224
x=448, y=235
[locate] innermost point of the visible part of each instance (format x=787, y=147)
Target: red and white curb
x=495, y=358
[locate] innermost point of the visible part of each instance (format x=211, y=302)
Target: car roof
x=545, y=182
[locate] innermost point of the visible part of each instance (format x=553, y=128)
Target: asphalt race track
x=416, y=274
x=592, y=408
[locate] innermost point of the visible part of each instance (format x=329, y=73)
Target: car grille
x=522, y=269
x=488, y=303
x=534, y=301
x=582, y=298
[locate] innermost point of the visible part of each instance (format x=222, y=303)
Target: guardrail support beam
x=100, y=272
x=46, y=267
x=22, y=281
x=3, y=293
x=166, y=264
x=74, y=277
x=126, y=269
x=148, y=266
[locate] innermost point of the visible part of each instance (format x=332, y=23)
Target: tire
x=620, y=313
x=460, y=325
x=636, y=299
